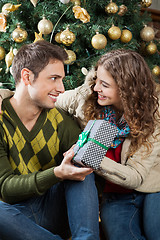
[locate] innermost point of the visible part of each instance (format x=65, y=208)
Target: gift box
x=94, y=142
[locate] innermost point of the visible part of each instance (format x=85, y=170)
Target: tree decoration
x=146, y=3
x=71, y=57
x=99, y=41
x=84, y=71
x=156, y=71
x=38, y=36
x=122, y=10
x=57, y=37
x=9, y=58
x=2, y=53
x=147, y=34
x=9, y=7
x=64, y=1
x=15, y=51
x=34, y=2
x=67, y=37
x=111, y=8
x=45, y=26
x=19, y=34
x=114, y=32
x=151, y=48
x=126, y=36
x=76, y=2
x=3, y=22
x=81, y=13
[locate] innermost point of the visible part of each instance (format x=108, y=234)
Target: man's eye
x=53, y=78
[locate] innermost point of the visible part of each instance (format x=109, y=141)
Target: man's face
x=44, y=90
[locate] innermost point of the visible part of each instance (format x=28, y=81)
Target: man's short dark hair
x=35, y=57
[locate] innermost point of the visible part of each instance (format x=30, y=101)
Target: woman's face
x=107, y=89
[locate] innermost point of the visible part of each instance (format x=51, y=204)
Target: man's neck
x=26, y=111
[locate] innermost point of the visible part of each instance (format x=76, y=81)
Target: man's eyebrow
x=55, y=75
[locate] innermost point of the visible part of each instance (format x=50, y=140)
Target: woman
x=122, y=91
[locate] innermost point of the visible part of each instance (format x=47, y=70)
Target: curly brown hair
x=137, y=91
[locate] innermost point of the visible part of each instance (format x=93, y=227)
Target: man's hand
x=68, y=171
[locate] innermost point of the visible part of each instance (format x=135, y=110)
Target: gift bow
x=84, y=137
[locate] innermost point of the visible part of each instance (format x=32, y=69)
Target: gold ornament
x=146, y=3
x=111, y=8
x=3, y=22
x=147, y=34
x=9, y=7
x=9, y=58
x=2, y=53
x=34, y=2
x=122, y=10
x=38, y=36
x=151, y=48
x=156, y=71
x=99, y=41
x=81, y=13
x=19, y=34
x=76, y=2
x=57, y=37
x=114, y=33
x=45, y=26
x=71, y=57
x=126, y=36
x=67, y=37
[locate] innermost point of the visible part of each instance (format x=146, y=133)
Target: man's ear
x=27, y=76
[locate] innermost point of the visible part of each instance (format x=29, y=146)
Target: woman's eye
x=104, y=85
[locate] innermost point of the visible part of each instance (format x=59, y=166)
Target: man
x=43, y=195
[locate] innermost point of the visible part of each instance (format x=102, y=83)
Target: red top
x=115, y=155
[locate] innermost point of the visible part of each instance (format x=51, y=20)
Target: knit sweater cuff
x=46, y=179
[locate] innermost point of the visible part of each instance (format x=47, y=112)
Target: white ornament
x=11, y=72
x=64, y=1
x=15, y=51
x=84, y=71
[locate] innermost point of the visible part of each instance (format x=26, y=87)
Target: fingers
x=67, y=152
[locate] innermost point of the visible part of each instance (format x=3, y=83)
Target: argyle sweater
x=27, y=158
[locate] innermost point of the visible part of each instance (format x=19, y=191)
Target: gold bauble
x=2, y=53
x=147, y=34
x=111, y=8
x=57, y=37
x=9, y=58
x=156, y=71
x=45, y=26
x=99, y=41
x=19, y=34
x=76, y=2
x=146, y=3
x=71, y=57
x=114, y=33
x=9, y=7
x=126, y=36
x=151, y=48
x=67, y=37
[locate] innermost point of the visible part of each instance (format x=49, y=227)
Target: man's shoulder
x=59, y=114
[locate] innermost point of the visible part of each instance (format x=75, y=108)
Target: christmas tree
x=85, y=28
